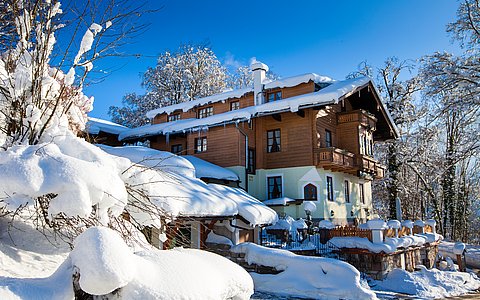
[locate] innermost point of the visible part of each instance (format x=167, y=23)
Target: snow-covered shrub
x=39, y=102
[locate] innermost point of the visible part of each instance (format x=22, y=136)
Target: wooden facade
x=336, y=137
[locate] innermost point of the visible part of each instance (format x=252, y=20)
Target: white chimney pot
x=259, y=70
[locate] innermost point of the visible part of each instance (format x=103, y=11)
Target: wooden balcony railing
x=361, y=116
x=340, y=160
x=369, y=165
x=335, y=159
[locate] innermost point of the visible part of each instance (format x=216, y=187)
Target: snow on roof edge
x=328, y=95
x=201, y=101
x=95, y=125
x=296, y=80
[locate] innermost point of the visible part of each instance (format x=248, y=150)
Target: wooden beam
x=301, y=113
x=277, y=117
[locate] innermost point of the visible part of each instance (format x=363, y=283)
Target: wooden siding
x=160, y=142
x=296, y=148
x=301, y=89
x=326, y=119
x=223, y=145
x=303, y=136
x=349, y=137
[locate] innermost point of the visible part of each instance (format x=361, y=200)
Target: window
x=274, y=96
x=329, y=188
x=235, y=105
x=251, y=161
x=200, y=145
x=173, y=117
x=347, y=191
x=328, y=138
x=205, y=112
x=177, y=149
x=362, y=193
x=310, y=192
x=274, y=187
x=273, y=140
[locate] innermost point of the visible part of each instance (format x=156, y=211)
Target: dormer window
x=173, y=117
x=205, y=112
x=234, y=105
x=274, y=96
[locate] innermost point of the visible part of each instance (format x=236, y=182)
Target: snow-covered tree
x=243, y=78
x=62, y=181
x=453, y=86
x=189, y=73
x=398, y=94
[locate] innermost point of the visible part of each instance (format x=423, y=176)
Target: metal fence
x=299, y=242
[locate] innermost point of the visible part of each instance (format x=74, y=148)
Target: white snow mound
x=105, y=261
x=304, y=276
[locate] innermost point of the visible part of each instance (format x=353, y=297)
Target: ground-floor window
x=177, y=149
x=274, y=187
x=362, y=193
x=310, y=192
x=329, y=188
x=347, y=191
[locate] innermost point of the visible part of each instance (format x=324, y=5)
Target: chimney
x=259, y=69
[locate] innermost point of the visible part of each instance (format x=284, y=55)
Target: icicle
x=167, y=138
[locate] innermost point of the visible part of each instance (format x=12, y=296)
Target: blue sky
x=292, y=37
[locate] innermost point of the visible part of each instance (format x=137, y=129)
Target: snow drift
x=429, y=283
x=304, y=276
x=106, y=264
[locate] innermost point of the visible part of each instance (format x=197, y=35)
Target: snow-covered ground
x=428, y=284
x=472, y=253
x=106, y=263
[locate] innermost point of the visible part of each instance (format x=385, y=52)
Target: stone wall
x=239, y=258
x=378, y=265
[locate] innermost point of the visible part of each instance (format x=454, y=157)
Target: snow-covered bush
x=39, y=102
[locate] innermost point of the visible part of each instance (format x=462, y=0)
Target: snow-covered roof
x=296, y=80
x=94, y=126
x=205, y=169
x=249, y=207
x=171, y=183
x=328, y=95
x=185, y=106
x=156, y=159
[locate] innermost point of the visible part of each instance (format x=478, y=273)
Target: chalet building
x=304, y=138
x=103, y=132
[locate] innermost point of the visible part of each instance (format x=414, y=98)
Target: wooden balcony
x=339, y=160
x=358, y=116
x=368, y=165
x=335, y=159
